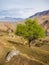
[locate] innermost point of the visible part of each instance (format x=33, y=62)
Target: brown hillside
x=5, y=25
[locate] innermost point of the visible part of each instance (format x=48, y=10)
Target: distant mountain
x=40, y=14
x=42, y=19
x=10, y=19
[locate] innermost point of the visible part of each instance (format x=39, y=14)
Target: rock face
x=11, y=54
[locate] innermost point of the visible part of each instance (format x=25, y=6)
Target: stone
x=11, y=54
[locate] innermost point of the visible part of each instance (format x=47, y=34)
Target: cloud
x=22, y=8
x=21, y=13
x=37, y=4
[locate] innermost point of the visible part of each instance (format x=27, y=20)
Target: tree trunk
x=29, y=43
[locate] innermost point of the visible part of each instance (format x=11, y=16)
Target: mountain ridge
x=11, y=19
x=46, y=12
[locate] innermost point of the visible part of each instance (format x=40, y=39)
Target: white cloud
x=22, y=8
x=22, y=13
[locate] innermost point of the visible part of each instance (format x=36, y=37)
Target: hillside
x=40, y=16
x=5, y=25
x=43, y=19
x=43, y=13
x=28, y=56
x=37, y=54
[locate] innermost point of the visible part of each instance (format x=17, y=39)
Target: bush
x=31, y=30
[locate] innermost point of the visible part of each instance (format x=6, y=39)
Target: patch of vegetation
x=39, y=44
x=30, y=31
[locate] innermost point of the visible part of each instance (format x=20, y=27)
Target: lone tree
x=31, y=30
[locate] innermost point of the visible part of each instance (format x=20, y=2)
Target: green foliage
x=20, y=30
x=30, y=29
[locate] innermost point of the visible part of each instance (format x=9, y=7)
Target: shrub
x=31, y=30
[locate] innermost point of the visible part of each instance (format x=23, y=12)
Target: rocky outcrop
x=11, y=54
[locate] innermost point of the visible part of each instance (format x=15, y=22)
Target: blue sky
x=22, y=8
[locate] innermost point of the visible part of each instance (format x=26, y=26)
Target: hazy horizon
x=22, y=8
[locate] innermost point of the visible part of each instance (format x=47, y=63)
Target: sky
x=22, y=8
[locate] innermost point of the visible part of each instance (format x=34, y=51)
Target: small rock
x=11, y=54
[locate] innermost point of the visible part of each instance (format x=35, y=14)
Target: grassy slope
x=35, y=54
